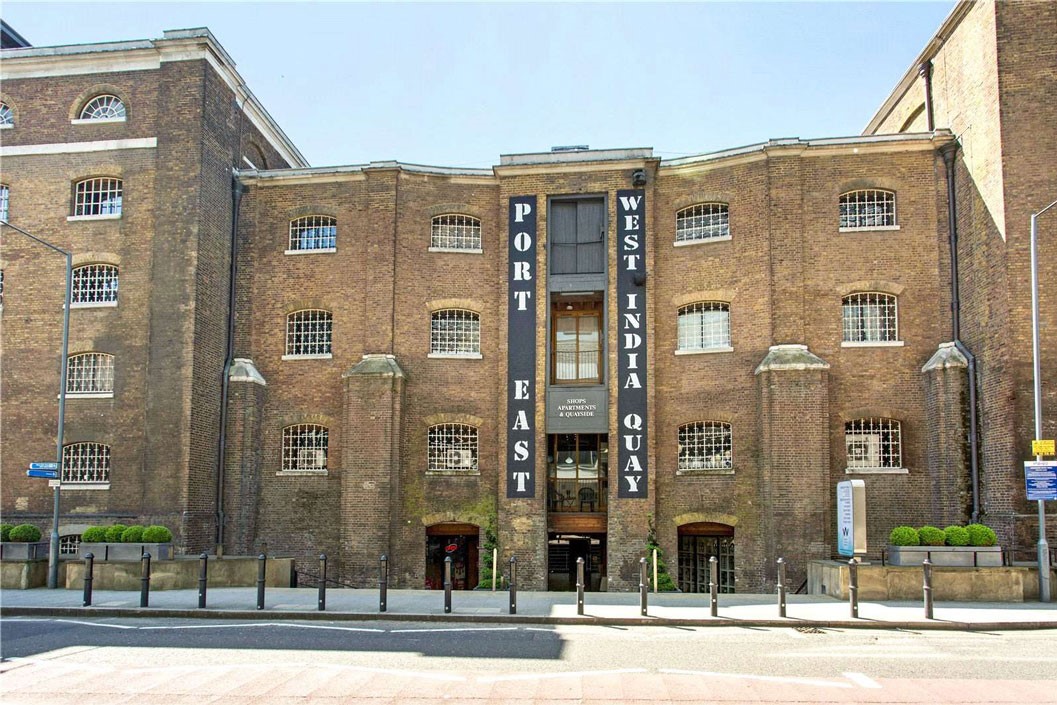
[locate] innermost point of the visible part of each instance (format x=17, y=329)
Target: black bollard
x=144, y=580
x=89, y=567
x=580, y=585
x=447, y=585
x=927, y=588
x=383, y=582
x=203, y=579
x=713, y=585
x=643, y=586
x=322, y=582
x=262, y=566
x=853, y=587
x=781, y=587
x=513, y=585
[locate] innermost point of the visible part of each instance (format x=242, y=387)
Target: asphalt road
x=111, y=661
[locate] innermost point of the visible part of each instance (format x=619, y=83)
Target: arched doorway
x=698, y=542
x=460, y=542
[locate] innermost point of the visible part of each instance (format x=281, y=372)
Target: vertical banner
x=521, y=350
x=631, y=341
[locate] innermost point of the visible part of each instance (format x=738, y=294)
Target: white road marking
x=455, y=629
x=73, y=621
x=861, y=679
x=324, y=627
x=750, y=676
x=565, y=674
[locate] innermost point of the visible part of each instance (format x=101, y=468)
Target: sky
x=460, y=84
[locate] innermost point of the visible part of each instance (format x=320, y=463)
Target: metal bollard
x=322, y=601
x=513, y=585
x=580, y=585
x=262, y=562
x=781, y=587
x=89, y=567
x=203, y=579
x=643, y=586
x=144, y=580
x=927, y=587
x=383, y=582
x=713, y=585
x=853, y=587
x=447, y=585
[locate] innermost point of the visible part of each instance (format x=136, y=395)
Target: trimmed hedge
x=980, y=535
x=113, y=533
x=120, y=533
x=24, y=533
x=133, y=534
x=931, y=536
x=5, y=531
x=956, y=536
x=94, y=534
x=904, y=536
x=156, y=534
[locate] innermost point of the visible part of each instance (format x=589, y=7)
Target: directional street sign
x=44, y=466
x=1041, y=479
x=46, y=474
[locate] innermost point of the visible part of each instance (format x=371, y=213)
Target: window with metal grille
x=7, y=118
x=704, y=221
x=869, y=317
x=86, y=463
x=103, y=107
x=867, y=208
x=313, y=232
x=308, y=333
x=95, y=285
x=69, y=544
x=705, y=445
x=305, y=447
x=452, y=446
x=100, y=196
x=5, y=195
x=452, y=231
x=455, y=331
x=704, y=325
x=90, y=373
x=873, y=443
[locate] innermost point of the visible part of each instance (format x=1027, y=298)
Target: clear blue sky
x=460, y=84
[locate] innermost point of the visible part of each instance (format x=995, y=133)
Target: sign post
x=851, y=518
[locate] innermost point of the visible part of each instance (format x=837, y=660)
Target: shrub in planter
x=94, y=534
x=25, y=533
x=113, y=533
x=156, y=534
x=133, y=534
x=5, y=531
x=931, y=536
x=956, y=536
x=904, y=536
x=980, y=535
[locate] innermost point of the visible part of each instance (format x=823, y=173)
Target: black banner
x=631, y=343
x=521, y=350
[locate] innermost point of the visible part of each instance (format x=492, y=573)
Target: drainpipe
x=925, y=71
x=949, y=152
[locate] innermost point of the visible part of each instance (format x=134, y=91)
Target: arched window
x=704, y=221
x=453, y=447
x=454, y=331
x=103, y=107
x=7, y=118
x=869, y=317
x=308, y=333
x=305, y=448
x=453, y=231
x=313, y=232
x=86, y=463
x=69, y=544
x=873, y=443
x=867, y=208
x=704, y=325
x=89, y=374
x=95, y=285
x=98, y=197
x=705, y=445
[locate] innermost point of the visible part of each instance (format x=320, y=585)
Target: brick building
x=555, y=355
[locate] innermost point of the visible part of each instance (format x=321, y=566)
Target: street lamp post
x=1043, y=547
x=53, y=552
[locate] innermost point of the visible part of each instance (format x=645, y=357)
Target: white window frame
x=99, y=282
x=69, y=544
x=306, y=450
x=5, y=201
x=299, y=227
x=95, y=474
x=7, y=117
x=101, y=109
x=452, y=449
x=455, y=333
x=455, y=232
x=874, y=446
x=857, y=210
x=706, y=447
x=702, y=222
x=706, y=339
x=320, y=318
x=874, y=328
x=98, y=187
x=90, y=369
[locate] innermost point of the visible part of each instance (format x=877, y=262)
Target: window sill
x=89, y=395
x=705, y=351
x=102, y=216
x=96, y=121
x=7, y=127
x=704, y=472
x=876, y=471
x=312, y=251
x=702, y=241
x=94, y=304
x=321, y=356
x=302, y=473
x=454, y=356
x=459, y=250
x=66, y=485
x=878, y=228
x=872, y=344
x=453, y=473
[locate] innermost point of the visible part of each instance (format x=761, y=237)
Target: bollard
x=580, y=585
x=655, y=571
x=262, y=562
x=144, y=580
x=781, y=587
x=853, y=587
x=643, y=586
x=202, y=579
x=513, y=585
x=927, y=588
x=322, y=601
x=383, y=582
x=713, y=584
x=447, y=585
x=89, y=566
x=495, y=566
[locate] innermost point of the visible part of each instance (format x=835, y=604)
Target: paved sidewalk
x=609, y=608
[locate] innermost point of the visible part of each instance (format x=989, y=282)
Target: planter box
x=126, y=551
x=950, y=556
x=22, y=551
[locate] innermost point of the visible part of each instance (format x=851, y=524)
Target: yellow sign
x=1042, y=448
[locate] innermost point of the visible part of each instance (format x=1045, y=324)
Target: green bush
x=956, y=536
x=133, y=534
x=26, y=533
x=904, y=536
x=980, y=535
x=156, y=534
x=5, y=531
x=664, y=578
x=113, y=533
x=94, y=534
x=931, y=536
